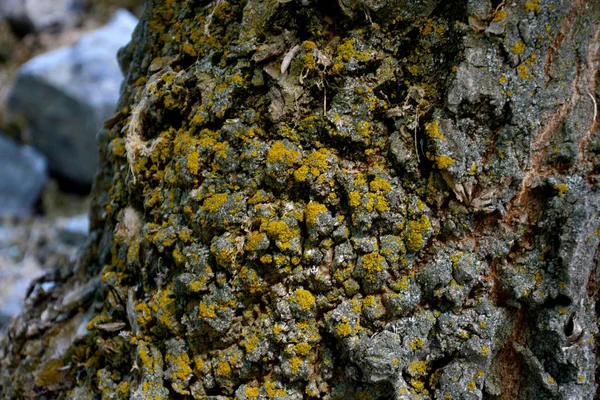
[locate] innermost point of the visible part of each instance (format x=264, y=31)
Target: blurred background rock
x=59, y=80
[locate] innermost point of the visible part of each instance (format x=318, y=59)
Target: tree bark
x=357, y=199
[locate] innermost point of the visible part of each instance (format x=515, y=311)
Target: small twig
x=416, y=145
x=209, y=19
x=324, y=100
x=289, y=56
x=595, y=105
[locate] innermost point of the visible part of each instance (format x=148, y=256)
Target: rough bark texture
x=340, y=200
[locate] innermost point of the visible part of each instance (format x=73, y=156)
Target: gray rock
x=14, y=283
x=65, y=95
x=32, y=16
x=23, y=173
x=73, y=230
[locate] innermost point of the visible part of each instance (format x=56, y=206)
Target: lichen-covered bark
x=339, y=200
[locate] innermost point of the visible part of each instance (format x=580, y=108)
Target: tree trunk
x=341, y=200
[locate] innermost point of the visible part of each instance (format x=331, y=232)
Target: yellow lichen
x=50, y=374
x=304, y=298
x=279, y=153
x=518, y=48
x=444, y=161
x=416, y=228
x=278, y=231
x=417, y=368
x=562, y=189
x=295, y=364
x=343, y=329
x=302, y=349
x=143, y=314
x=523, y=71
x=532, y=6
x=207, y=311
x=354, y=199
x=364, y=128
x=253, y=240
x=369, y=301
x=313, y=209
x=308, y=45
x=379, y=184
x=373, y=263
x=224, y=369
x=214, y=202
x=499, y=16
x=417, y=343
x=180, y=368
x=252, y=392
x=433, y=130
x=251, y=344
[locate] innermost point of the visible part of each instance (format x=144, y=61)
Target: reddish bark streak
x=564, y=31
x=512, y=365
x=589, y=85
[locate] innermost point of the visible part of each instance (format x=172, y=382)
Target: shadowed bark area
x=339, y=200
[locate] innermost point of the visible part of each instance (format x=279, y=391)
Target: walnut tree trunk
x=353, y=199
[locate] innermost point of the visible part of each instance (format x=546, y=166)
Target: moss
x=51, y=373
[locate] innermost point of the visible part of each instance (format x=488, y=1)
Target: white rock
x=32, y=16
x=65, y=96
x=23, y=174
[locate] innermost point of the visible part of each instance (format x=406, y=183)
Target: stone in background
x=23, y=174
x=64, y=97
x=33, y=16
